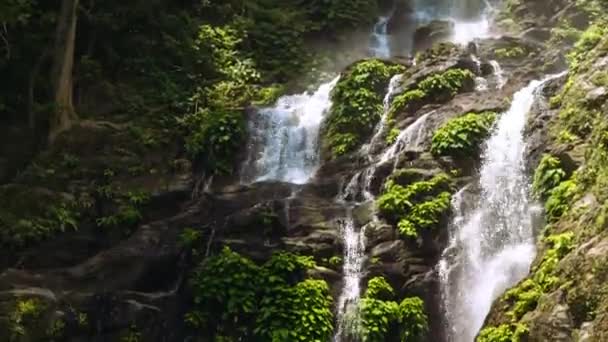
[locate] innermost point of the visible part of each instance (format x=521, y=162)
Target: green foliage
x=436, y=88
x=376, y=318
x=463, y=136
x=560, y=198
x=525, y=298
x=510, y=53
x=408, y=101
x=413, y=319
x=379, y=288
x=380, y=316
x=587, y=41
x=425, y=215
x=236, y=298
x=215, y=137
x=357, y=104
x=396, y=199
x=548, y=175
x=26, y=312
x=504, y=333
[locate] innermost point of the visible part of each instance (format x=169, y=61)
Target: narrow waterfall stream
x=284, y=138
x=492, y=243
x=380, y=45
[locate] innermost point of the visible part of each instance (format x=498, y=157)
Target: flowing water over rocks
x=492, y=245
x=284, y=138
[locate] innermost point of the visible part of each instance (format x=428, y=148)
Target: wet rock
x=435, y=31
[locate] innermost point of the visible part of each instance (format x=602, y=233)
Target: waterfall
x=284, y=138
x=492, y=245
x=380, y=46
x=359, y=187
x=498, y=74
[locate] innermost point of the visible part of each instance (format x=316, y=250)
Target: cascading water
x=284, y=138
x=380, y=46
x=492, y=245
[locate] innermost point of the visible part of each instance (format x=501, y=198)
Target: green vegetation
x=510, y=53
x=381, y=316
x=26, y=313
x=548, y=175
x=357, y=104
x=463, y=136
x=504, y=333
x=418, y=206
x=436, y=88
x=235, y=298
x=560, y=199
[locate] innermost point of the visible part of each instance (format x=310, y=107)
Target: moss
x=26, y=313
x=463, y=136
x=357, y=105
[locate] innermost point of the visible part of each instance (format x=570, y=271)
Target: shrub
x=462, y=136
x=413, y=319
x=438, y=88
x=425, y=215
x=214, y=138
x=547, y=176
x=236, y=298
x=357, y=104
x=510, y=53
x=377, y=316
x=559, y=199
x=379, y=288
x=504, y=333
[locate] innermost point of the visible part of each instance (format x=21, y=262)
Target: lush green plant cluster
x=357, y=104
x=504, y=333
x=236, y=298
x=436, y=88
x=381, y=316
x=560, y=199
x=463, y=136
x=548, y=175
x=418, y=206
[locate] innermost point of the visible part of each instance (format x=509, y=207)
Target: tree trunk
x=63, y=62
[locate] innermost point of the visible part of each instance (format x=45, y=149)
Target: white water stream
x=492, y=245
x=284, y=144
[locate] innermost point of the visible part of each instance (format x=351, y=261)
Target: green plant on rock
x=425, y=215
x=377, y=316
x=510, y=53
x=437, y=51
x=237, y=299
x=548, y=175
x=504, y=333
x=379, y=288
x=357, y=104
x=436, y=88
x=413, y=320
x=463, y=136
x=560, y=199
x=525, y=298
x=214, y=138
